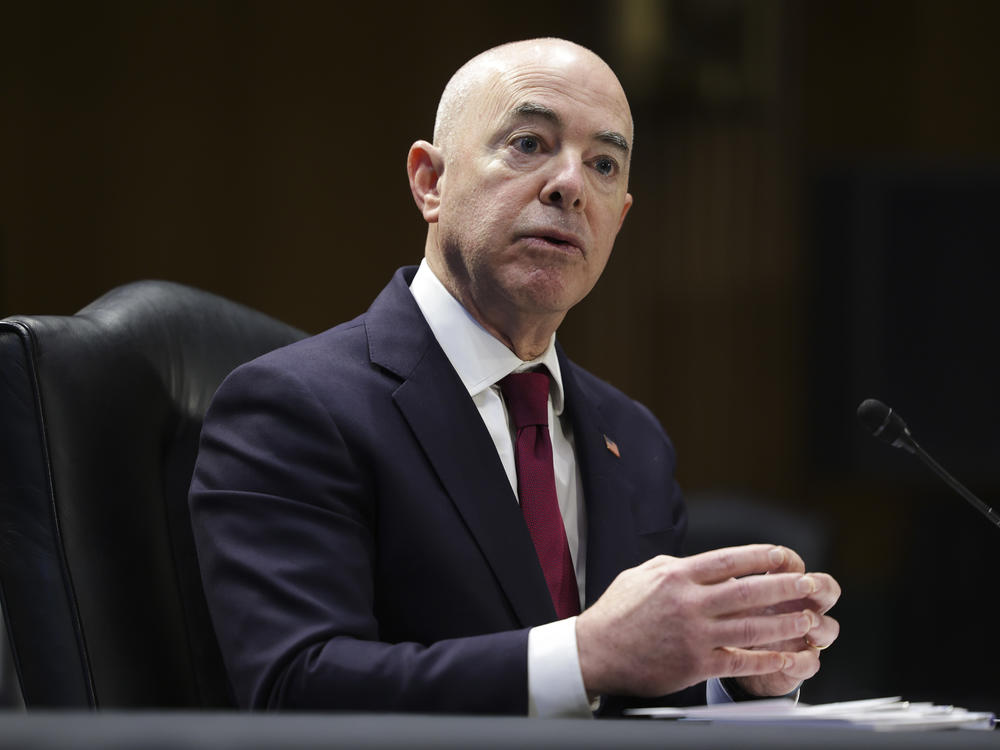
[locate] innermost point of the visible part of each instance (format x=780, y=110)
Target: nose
x=564, y=185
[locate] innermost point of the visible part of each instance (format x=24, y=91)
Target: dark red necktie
x=527, y=397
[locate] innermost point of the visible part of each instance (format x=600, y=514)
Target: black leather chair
x=100, y=414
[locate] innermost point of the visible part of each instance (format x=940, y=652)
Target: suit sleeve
x=284, y=520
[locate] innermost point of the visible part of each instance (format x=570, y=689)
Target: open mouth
x=553, y=240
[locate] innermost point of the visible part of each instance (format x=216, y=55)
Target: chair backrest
x=100, y=415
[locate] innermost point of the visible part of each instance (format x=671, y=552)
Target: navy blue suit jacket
x=359, y=541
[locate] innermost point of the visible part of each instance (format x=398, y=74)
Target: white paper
x=879, y=714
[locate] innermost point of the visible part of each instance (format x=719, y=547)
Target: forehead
x=584, y=95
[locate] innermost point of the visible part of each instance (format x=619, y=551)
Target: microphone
x=887, y=425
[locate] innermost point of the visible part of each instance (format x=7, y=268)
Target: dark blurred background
x=816, y=183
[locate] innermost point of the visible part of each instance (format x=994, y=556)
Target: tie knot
x=527, y=397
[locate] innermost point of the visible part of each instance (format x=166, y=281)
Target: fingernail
x=805, y=622
x=776, y=556
x=789, y=663
x=805, y=585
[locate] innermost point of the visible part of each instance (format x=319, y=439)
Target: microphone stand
x=924, y=456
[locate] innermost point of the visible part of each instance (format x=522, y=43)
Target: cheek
x=606, y=221
x=474, y=203
x=603, y=227
x=489, y=216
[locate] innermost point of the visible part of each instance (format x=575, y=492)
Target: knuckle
x=726, y=560
x=737, y=662
x=750, y=631
x=658, y=566
x=744, y=591
x=714, y=564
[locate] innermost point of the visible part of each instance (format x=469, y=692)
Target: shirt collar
x=479, y=358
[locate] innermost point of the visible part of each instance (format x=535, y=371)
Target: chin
x=546, y=299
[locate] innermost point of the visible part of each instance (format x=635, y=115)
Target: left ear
x=625, y=208
x=425, y=167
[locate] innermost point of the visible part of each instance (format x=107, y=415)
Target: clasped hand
x=748, y=612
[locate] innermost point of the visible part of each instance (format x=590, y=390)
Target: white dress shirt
x=555, y=684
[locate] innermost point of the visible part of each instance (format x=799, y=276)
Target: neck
x=527, y=342
x=528, y=336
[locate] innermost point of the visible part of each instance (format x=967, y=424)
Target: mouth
x=560, y=240
x=556, y=240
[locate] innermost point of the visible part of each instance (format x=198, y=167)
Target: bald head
x=488, y=70
x=525, y=186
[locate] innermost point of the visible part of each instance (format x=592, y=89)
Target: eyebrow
x=533, y=109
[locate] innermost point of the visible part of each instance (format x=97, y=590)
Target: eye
x=527, y=144
x=606, y=165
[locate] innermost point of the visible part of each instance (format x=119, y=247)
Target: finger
x=827, y=592
x=743, y=632
x=741, y=662
x=732, y=562
x=759, y=591
x=821, y=600
x=824, y=634
x=802, y=664
x=792, y=563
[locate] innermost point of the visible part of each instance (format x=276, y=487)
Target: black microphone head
x=873, y=413
x=883, y=422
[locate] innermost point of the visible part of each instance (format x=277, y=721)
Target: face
x=534, y=185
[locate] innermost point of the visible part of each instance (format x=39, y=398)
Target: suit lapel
x=448, y=427
x=612, y=544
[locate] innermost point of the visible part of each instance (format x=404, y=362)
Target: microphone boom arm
x=887, y=425
x=982, y=507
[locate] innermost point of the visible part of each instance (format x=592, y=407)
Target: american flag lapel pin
x=612, y=446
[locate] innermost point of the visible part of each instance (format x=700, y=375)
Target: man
x=356, y=498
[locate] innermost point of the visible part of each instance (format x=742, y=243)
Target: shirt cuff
x=715, y=693
x=555, y=683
